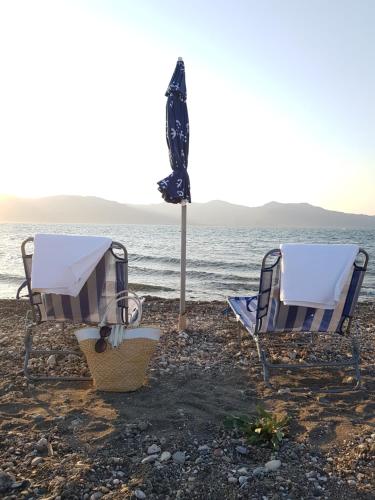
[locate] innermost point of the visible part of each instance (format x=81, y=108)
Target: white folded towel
x=63, y=263
x=314, y=275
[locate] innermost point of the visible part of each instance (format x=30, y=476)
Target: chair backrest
x=274, y=316
x=108, y=278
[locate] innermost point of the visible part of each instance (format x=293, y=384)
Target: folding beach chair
x=106, y=289
x=265, y=315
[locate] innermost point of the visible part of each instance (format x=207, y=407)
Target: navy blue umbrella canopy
x=176, y=187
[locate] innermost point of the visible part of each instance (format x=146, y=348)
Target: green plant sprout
x=265, y=429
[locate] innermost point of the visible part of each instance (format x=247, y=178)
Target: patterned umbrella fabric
x=176, y=187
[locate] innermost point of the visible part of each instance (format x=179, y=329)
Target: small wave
x=146, y=287
x=12, y=278
x=201, y=275
x=148, y=271
x=190, y=262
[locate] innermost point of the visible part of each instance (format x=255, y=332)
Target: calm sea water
x=221, y=261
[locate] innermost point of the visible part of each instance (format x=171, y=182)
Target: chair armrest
x=248, y=303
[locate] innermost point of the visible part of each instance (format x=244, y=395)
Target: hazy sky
x=280, y=98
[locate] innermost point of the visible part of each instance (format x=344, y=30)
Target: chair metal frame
x=33, y=316
x=259, y=337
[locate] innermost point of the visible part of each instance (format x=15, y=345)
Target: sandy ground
x=68, y=441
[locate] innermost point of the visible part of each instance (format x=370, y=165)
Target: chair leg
x=239, y=338
x=28, y=342
x=263, y=360
x=356, y=360
x=267, y=366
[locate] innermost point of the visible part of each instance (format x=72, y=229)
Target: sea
x=221, y=261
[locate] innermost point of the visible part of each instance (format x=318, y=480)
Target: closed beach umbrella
x=176, y=187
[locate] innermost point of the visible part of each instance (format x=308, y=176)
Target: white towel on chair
x=63, y=263
x=314, y=275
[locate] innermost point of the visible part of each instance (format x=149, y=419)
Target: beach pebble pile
x=167, y=441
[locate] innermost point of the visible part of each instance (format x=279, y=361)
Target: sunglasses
x=101, y=344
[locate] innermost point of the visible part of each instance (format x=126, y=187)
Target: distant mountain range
x=92, y=210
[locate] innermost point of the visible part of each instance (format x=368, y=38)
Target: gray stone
x=140, y=494
x=179, y=457
x=96, y=495
x=242, y=471
x=142, y=426
x=149, y=459
x=51, y=361
x=285, y=390
x=242, y=450
x=5, y=481
x=41, y=445
x=165, y=456
x=154, y=448
x=243, y=479
x=36, y=461
x=258, y=471
x=272, y=465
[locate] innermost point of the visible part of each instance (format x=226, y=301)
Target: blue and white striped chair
x=107, y=281
x=265, y=315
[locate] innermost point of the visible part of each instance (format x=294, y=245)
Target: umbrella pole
x=182, y=316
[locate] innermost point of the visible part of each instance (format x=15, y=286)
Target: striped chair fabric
x=108, y=278
x=266, y=313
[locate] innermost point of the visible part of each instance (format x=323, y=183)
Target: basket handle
x=120, y=296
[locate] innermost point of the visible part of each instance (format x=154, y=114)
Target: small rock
x=36, y=461
x=243, y=479
x=19, y=484
x=242, y=450
x=232, y=479
x=38, y=418
x=242, y=471
x=75, y=423
x=5, y=481
x=51, y=361
x=165, y=456
x=272, y=465
x=142, y=426
x=139, y=494
x=42, y=444
x=310, y=474
x=258, y=471
x=179, y=457
x=285, y=390
x=154, y=448
x=149, y=459
x=96, y=495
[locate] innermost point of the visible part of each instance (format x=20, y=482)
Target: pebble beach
x=167, y=440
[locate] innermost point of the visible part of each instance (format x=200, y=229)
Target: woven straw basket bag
x=124, y=367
